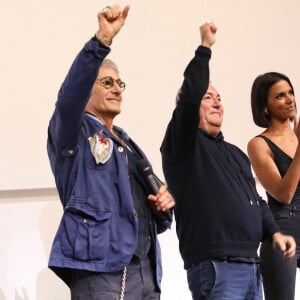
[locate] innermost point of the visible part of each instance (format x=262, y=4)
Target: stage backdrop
x=39, y=40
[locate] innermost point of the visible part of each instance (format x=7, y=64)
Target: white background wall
x=39, y=40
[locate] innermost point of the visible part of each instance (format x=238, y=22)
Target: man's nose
x=216, y=100
x=116, y=88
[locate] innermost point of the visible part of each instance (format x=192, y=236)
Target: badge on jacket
x=101, y=148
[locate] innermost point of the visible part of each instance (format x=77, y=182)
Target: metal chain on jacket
x=123, y=284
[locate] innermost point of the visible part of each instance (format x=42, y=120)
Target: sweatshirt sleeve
x=182, y=129
x=269, y=224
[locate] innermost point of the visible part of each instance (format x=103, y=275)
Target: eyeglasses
x=108, y=82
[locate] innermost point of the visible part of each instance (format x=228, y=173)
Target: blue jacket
x=99, y=226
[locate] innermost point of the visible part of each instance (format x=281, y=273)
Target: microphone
x=154, y=183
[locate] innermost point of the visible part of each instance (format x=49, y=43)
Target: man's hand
x=163, y=200
x=111, y=19
x=208, y=34
x=284, y=243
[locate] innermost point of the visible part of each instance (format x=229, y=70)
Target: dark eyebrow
x=282, y=93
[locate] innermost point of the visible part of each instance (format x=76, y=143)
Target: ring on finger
x=104, y=10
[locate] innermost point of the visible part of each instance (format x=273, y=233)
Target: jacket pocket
x=85, y=236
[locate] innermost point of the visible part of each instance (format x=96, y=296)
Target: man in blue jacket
x=106, y=246
x=220, y=218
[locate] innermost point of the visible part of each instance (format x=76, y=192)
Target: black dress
x=279, y=275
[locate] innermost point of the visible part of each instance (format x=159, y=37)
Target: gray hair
x=177, y=96
x=108, y=63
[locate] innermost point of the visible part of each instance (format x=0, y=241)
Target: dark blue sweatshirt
x=218, y=210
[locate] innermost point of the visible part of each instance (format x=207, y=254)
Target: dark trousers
x=279, y=275
x=139, y=283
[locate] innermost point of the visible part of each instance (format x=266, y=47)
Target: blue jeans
x=222, y=280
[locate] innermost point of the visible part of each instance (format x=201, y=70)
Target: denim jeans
x=222, y=280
